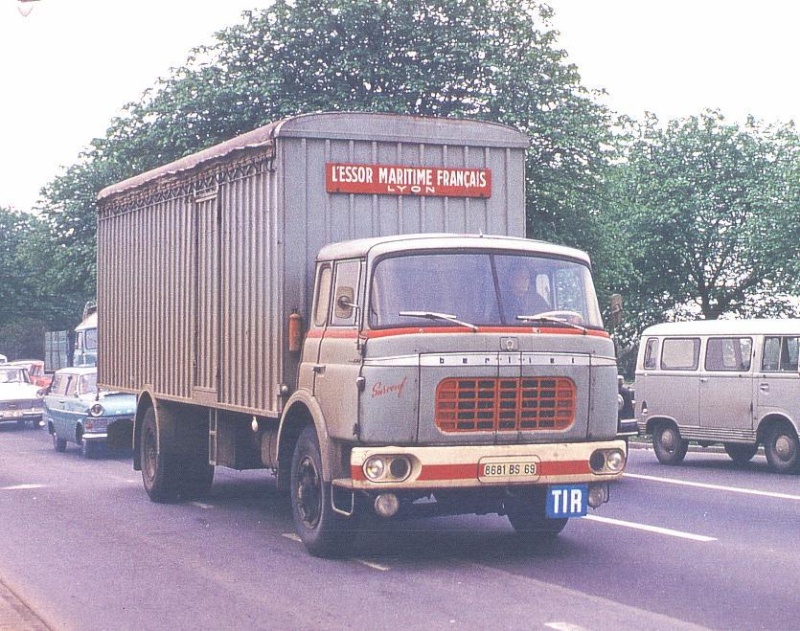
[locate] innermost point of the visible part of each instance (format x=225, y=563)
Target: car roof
x=77, y=370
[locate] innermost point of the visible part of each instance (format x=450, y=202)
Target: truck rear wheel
x=160, y=479
x=324, y=532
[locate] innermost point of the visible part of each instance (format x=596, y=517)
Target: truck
x=64, y=349
x=325, y=297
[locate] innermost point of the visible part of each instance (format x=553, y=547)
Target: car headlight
x=96, y=410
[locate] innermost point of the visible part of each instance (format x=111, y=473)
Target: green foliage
x=706, y=211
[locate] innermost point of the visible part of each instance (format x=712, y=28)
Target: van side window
x=789, y=354
x=651, y=354
x=680, y=354
x=780, y=354
x=731, y=354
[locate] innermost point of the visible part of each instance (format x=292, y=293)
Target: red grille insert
x=505, y=405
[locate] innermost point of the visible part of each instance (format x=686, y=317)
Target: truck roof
x=376, y=246
x=340, y=125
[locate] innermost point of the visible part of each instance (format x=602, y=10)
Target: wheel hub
x=309, y=495
x=784, y=448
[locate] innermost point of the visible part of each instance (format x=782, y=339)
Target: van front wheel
x=782, y=449
x=670, y=448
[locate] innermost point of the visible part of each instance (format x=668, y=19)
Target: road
x=703, y=545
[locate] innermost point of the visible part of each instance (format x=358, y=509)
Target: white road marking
x=564, y=626
x=292, y=536
x=201, y=505
x=22, y=487
x=715, y=487
x=655, y=529
x=373, y=565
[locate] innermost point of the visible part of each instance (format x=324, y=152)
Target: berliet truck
x=348, y=300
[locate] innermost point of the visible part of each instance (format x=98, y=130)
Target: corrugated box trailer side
x=202, y=261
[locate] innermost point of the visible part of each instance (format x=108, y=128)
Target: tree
x=488, y=59
x=706, y=211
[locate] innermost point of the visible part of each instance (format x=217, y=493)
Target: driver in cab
x=521, y=298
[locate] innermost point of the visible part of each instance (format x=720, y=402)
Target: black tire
x=324, y=532
x=59, y=444
x=670, y=448
x=739, y=453
x=158, y=473
x=528, y=516
x=782, y=449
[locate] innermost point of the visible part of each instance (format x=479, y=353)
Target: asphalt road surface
x=703, y=545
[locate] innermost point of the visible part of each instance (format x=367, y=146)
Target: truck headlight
x=607, y=461
x=387, y=468
x=96, y=410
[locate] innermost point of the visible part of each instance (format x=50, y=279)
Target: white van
x=733, y=382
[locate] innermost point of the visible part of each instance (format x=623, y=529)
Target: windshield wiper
x=555, y=317
x=433, y=315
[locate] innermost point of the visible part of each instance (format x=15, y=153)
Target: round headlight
x=615, y=461
x=96, y=410
x=374, y=468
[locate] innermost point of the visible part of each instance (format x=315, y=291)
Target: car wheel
x=782, y=449
x=324, y=532
x=740, y=454
x=59, y=444
x=670, y=448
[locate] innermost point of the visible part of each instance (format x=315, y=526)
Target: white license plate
x=492, y=469
x=12, y=414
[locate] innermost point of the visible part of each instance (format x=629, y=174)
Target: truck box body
x=203, y=260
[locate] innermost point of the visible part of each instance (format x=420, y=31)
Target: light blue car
x=76, y=412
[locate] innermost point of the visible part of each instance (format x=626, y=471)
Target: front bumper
x=481, y=466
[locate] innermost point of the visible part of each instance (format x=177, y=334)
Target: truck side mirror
x=344, y=303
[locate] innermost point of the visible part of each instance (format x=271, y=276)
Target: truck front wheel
x=159, y=481
x=528, y=516
x=324, y=532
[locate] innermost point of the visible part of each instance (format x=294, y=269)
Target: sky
x=70, y=66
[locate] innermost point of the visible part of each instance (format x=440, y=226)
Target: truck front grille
x=515, y=404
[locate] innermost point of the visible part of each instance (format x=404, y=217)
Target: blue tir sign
x=567, y=500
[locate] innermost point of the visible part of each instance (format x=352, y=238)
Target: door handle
x=703, y=379
x=319, y=369
x=764, y=387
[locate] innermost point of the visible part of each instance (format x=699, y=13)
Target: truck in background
x=322, y=297
x=64, y=349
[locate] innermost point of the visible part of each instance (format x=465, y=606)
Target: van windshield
x=481, y=289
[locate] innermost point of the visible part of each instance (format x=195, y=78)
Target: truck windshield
x=481, y=289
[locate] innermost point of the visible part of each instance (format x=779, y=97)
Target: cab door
x=338, y=366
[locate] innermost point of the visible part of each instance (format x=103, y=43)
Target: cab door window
x=345, y=294
x=780, y=354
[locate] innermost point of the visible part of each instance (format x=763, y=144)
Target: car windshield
x=88, y=384
x=481, y=289
x=13, y=375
